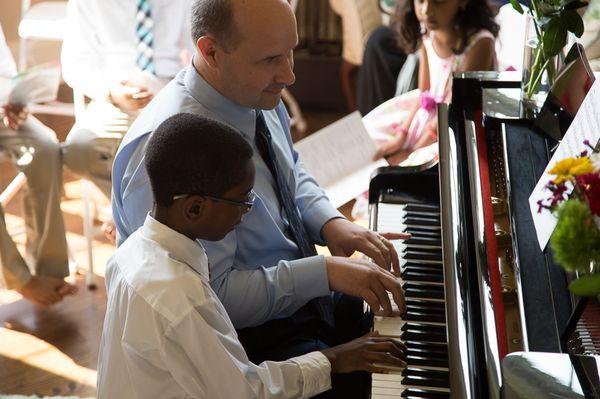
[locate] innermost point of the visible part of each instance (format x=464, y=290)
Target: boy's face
x=225, y=216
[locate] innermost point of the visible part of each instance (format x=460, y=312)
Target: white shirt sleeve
x=83, y=65
x=7, y=63
x=207, y=360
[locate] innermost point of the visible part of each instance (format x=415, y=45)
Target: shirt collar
x=179, y=247
x=240, y=117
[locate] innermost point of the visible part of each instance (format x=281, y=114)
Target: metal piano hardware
x=499, y=293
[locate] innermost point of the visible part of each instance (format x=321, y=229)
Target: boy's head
x=202, y=174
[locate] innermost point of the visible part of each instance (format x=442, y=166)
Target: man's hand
x=367, y=353
x=362, y=278
x=14, y=115
x=343, y=238
x=130, y=98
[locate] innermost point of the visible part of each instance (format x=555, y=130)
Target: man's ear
x=208, y=48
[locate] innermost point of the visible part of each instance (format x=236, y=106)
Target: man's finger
x=373, y=252
x=396, y=236
x=371, y=300
x=394, y=286
x=382, y=297
x=393, y=255
x=379, y=242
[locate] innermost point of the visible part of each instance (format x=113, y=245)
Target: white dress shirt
x=99, y=49
x=7, y=63
x=166, y=334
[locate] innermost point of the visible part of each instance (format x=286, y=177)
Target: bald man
x=275, y=288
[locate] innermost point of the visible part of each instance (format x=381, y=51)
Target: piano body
x=479, y=290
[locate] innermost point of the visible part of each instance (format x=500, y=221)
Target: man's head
x=202, y=174
x=244, y=48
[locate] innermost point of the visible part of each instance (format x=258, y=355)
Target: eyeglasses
x=247, y=203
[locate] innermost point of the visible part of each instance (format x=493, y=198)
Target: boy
x=166, y=334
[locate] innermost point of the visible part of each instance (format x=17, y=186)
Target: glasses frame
x=250, y=199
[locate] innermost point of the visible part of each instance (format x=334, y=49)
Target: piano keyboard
x=423, y=328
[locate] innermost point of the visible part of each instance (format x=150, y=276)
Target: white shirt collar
x=179, y=246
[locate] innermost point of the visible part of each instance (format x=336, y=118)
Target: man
x=119, y=54
x=36, y=152
x=266, y=272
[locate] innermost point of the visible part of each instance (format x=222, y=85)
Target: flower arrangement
x=575, y=200
x=552, y=20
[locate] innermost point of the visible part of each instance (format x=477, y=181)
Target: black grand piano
x=489, y=314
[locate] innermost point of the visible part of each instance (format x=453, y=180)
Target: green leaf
x=573, y=22
x=517, y=6
x=586, y=285
x=575, y=4
x=554, y=38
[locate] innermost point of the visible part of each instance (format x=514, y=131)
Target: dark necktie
x=297, y=230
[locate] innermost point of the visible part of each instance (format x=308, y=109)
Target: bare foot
x=45, y=290
x=110, y=231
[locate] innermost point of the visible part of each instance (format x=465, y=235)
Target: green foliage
x=586, y=285
x=576, y=239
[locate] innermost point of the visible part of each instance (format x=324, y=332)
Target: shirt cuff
x=310, y=277
x=316, y=373
x=320, y=214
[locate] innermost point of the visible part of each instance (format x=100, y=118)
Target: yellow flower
x=570, y=167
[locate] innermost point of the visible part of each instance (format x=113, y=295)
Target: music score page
x=585, y=126
x=340, y=158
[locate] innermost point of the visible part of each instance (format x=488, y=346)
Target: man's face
x=260, y=65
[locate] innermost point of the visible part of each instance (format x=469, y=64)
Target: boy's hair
x=477, y=15
x=191, y=154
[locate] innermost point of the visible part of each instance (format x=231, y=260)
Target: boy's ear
x=194, y=208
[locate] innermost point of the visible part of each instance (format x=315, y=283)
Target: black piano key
x=430, y=317
x=426, y=304
x=421, y=208
x=431, y=250
x=415, y=326
x=423, y=233
x=421, y=221
x=431, y=347
x=422, y=255
x=422, y=352
x=414, y=275
x=423, y=336
x=423, y=267
x=412, y=290
x=417, y=393
x=436, y=242
x=425, y=309
x=425, y=382
x=419, y=372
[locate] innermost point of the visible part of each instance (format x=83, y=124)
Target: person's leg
x=36, y=152
x=46, y=240
x=92, y=143
x=14, y=269
x=377, y=76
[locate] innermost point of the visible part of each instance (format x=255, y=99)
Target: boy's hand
x=362, y=278
x=14, y=115
x=367, y=353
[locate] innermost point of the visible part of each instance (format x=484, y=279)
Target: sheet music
x=340, y=157
x=585, y=126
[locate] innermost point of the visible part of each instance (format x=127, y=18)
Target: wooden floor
x=54, y=351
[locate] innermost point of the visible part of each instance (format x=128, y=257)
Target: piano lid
x=550, y=375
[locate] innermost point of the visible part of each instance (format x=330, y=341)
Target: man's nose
x=286, y=74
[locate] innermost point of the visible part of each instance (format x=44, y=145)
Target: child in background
x=166, y=334
x=450, y=36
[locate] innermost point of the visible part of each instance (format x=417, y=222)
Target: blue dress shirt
x=256, y=270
